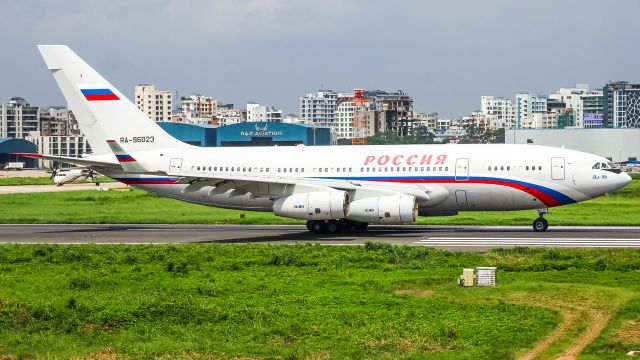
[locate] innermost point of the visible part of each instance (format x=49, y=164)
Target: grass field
x=135, y=206
x=313, y=302
x=17, y=181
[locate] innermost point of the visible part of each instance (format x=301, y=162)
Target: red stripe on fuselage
x=546, y=199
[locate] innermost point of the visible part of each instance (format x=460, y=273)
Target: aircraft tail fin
x=128, y=163
x=103, y=112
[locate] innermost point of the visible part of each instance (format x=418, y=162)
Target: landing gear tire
x=360, y=226
x=316, y=227
x=540, y=224
x=334, y=227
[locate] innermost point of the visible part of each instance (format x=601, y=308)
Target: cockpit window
x=596, y=166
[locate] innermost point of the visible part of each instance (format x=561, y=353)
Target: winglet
x=128, y=162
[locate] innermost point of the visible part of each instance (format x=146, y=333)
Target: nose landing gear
x=541, y=224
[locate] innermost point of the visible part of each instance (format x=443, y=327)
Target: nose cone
x=622, y=180
x=626, y=179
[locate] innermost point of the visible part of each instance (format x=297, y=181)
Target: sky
x=445, y=54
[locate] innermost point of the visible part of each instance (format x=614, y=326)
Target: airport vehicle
x=332, y=187
x=14, y=166
x=63, y=176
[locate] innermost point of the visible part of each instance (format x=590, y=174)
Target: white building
x=156, y=104
x=500, y=112
x=257, y=112
x=572, y=97
x=617, y=145
x=526, y=105
x=540, y=120
x=73, y=146
x=319, y=108
x=18, y=118
x=228, y=116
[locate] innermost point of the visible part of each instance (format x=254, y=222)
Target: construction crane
x=359, y=118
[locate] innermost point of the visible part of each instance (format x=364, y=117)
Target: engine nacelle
x=317, y=205
x=393, y=209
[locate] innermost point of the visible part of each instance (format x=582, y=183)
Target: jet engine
x=316, y=205
x=392, y=209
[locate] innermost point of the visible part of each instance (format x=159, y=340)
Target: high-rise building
x=526, y=105
x=429, y=120
x=156, y=104
x=257, y=112
x=71, y=146
x=198, y=106
x=621, y=105
x=592, y=109
x=18, y=118
x=500, y=112
x=319, y=108
x=58, y=121
x=395, y=108
x=572, y=99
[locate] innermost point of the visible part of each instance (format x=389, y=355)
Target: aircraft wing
x=69, y=160
x=274, y=186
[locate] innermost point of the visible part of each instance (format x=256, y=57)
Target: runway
x=458, y=238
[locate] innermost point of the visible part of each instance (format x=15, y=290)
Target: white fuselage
x=471, y=177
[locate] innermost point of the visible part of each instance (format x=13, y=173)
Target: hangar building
x=10, y=145
x=249, y=134
x=618, y=145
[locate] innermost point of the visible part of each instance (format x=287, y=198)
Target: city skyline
x=443, y=55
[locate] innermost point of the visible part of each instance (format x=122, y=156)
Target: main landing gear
x=541, y=224
x=335, y=226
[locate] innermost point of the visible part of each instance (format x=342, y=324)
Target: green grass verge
x=18, y=181
x=301, y=302
x=136, y=206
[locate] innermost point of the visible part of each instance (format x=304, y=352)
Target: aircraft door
x=557, y=168
x=175, y=165
x=461, y=198
x=462, y=169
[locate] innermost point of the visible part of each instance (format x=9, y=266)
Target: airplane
x=333, y=188
x=63, y=176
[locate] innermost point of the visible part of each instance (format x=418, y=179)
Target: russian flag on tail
x=99, y=94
